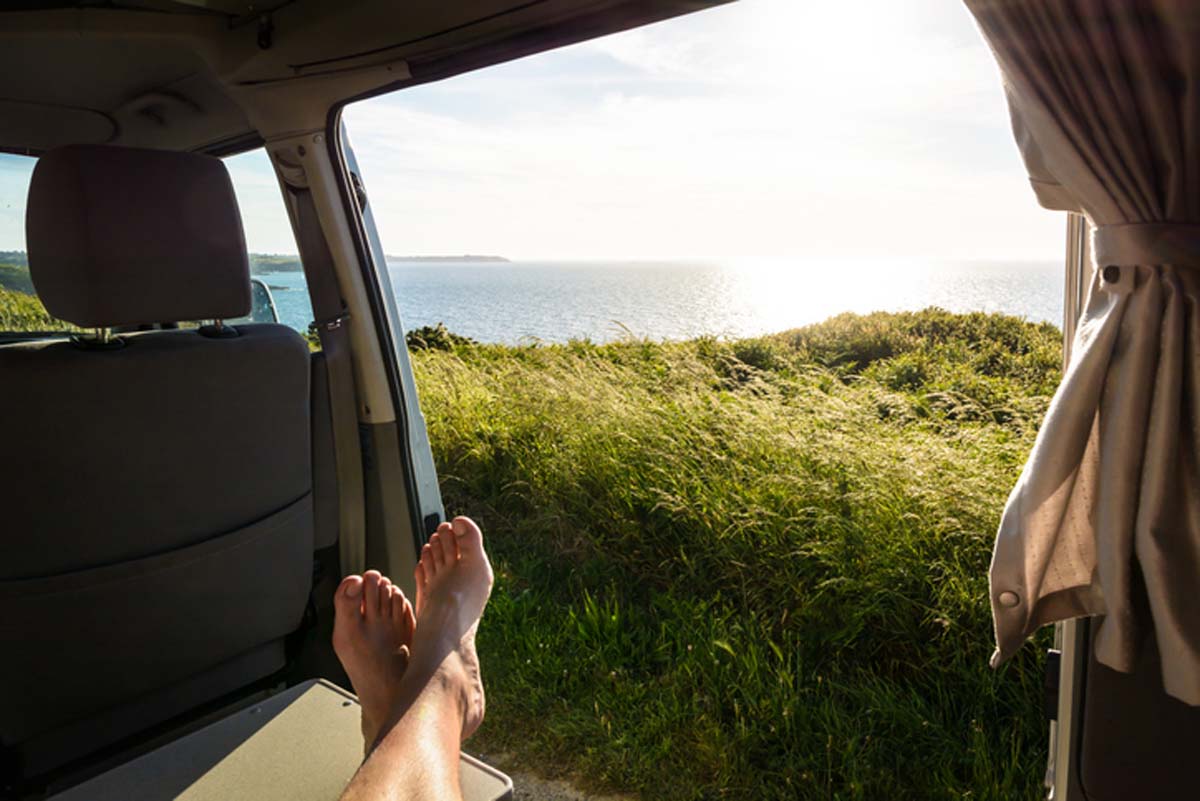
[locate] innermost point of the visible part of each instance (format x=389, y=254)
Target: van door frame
x=420, y=473
x=1070, y=636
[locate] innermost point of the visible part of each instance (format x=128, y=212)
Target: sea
x=552, y=301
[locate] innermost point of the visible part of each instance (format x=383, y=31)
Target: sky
x=761, y=130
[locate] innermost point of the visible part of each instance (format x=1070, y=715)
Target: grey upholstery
x=198, y=435
x=119, y=236
x=43, y=752
x=158, y=536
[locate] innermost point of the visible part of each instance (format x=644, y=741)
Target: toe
x=347, y=607
x=394, y=606
x=408, y=618
x=422, y=586
x=436, y=551
x=401, y=614
x=385, y=596
x=371, y=581
x=449, y=548
x=427, y=562
x=347, y=599
x=468, y=536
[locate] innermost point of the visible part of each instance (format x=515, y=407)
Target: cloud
x=761, y=129
x=768, y=128
x=264, y=217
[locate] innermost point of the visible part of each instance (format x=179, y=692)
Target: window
x=279, y=288
x=20, y=310
x=275, y=267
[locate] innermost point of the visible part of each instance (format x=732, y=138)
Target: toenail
x=354, y=590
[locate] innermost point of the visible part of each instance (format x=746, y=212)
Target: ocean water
x=556, y=301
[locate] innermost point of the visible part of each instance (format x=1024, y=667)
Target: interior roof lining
x=442, y=67
x=97, y=111
x=423, y=38
x=232, y=146
x=506, y=38
x=170, y=7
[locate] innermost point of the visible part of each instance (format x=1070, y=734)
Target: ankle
x=442, y=686
x=451, y=682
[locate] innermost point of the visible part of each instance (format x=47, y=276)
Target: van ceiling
x=169, y=73
x=229, y=8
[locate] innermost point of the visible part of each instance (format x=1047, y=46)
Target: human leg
x=437, y=698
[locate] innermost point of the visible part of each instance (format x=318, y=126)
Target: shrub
x=435, y=337
x=24, y=312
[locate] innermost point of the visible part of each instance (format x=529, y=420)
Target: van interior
x=200, y=477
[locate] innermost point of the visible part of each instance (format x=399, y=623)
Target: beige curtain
x=1105, y=519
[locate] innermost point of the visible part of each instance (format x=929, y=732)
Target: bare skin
x=372, y=633
x=454, y=580
x=435, y=700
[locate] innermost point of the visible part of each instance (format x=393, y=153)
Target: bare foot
x=372, y=633
x=454, y=580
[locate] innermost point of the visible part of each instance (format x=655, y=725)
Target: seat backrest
x=158, y=534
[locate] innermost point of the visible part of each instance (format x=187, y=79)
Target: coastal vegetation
x=267, y=263
x=15, y=277
x=20, y=310
x=751, y=568
x=747, y=568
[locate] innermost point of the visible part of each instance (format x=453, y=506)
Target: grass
x=746, y=569
x=22, y=311
x=752, y=569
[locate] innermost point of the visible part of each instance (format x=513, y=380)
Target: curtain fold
x=1105, y=518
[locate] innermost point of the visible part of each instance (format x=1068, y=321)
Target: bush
x=15, y=277
x=24, y=312
x=435, y=337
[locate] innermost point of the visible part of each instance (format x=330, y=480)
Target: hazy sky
x=763, y=129
x=767, y=128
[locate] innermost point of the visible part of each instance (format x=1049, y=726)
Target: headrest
x=122, y=236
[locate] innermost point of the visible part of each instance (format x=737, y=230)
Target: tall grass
x=21, y=311
x=752, y=569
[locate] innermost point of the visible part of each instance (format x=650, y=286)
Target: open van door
x=427, y=496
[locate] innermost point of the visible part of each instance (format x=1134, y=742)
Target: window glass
x=714, y=175
x=274, y=264
x=279, y=289
x=20, y=310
